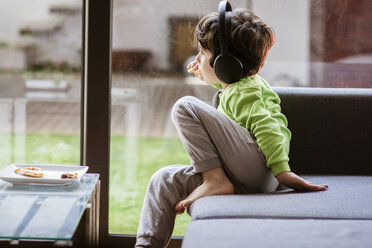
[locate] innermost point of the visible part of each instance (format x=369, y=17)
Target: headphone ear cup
x=228, y=68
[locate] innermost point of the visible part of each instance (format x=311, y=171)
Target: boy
x=241, y=147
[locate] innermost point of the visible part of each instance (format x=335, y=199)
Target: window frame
x=96, y=85
x=96, y=110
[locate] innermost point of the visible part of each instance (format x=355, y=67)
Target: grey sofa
x=332, y=144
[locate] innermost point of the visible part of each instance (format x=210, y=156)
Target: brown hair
x=250, y=38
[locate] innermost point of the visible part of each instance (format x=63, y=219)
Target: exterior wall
x=311, y=35
x=17, y=13
x=43, y=44
x=143, y=24
x=12, y=59
x=64, y=45
x=288, y=61
x=341, y=44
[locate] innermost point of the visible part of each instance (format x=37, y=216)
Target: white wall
x=14, y=14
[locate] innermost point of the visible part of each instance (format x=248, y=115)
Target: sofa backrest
x=331, y=129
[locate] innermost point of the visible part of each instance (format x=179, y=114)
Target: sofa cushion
x=268, y=233
x=348, y=197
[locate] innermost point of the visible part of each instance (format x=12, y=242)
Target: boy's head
x=250, y=39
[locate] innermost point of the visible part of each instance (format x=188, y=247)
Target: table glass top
x=43, y=212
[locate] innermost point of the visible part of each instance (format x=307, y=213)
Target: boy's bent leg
x=166, y=188
x=188, y=117
x=213, y=140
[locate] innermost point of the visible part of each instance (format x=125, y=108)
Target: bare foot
x=215, y=182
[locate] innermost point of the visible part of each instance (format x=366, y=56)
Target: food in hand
x=30, y=172
x=191, y=70
x=69, y=175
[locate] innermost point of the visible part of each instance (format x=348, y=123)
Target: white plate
x=52, y=174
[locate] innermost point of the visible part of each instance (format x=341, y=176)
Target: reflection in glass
x=319, y=44
x=40, y=44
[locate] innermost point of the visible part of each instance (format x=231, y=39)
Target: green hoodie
x=254, y=105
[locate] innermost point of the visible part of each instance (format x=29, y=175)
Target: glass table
x=49, y=214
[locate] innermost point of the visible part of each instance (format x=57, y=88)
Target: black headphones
x=228, y=68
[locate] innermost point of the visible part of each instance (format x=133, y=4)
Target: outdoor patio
x=141, y=105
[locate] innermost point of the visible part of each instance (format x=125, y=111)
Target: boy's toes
x=319, y=187
x=324, y=187
x=186, y=203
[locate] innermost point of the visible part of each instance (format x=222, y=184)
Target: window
x=150, y=49
x=319, y=44
x=40, y=81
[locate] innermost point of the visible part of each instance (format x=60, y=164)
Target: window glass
x=40, y=51
x=318, y=44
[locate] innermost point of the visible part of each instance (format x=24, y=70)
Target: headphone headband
x=228, y=68
x=224, y=20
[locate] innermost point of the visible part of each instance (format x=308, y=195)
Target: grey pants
x=211, y=140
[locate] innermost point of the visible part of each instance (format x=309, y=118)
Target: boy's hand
x=193, y=67
x=291, y=180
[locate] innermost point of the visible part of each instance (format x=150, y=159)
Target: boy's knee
x=184, y=101
x=187, y=99
x=161, y=176
x=171, y=175
x=181, y=105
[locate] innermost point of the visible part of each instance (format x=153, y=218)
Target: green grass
x=133, y=161
x=128, y=182
x=39, y=148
